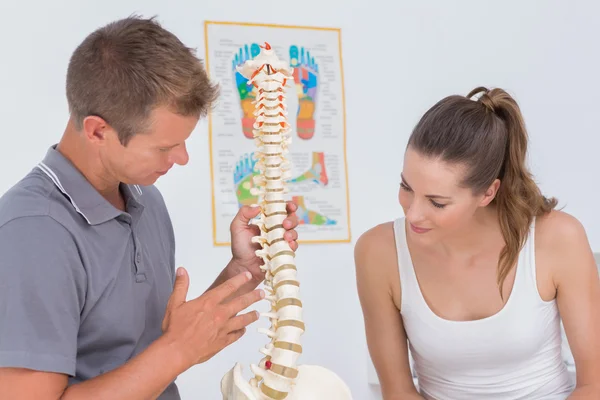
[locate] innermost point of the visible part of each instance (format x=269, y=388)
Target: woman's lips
x=417, y=229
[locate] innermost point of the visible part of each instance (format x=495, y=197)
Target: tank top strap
x=409, y=285
x=527, y=265
x=524, y=285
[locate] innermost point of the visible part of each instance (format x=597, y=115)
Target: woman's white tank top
x=513, y=354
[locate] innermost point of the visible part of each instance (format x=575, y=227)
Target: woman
x=474, y=275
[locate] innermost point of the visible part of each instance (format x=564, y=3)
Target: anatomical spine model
x=277, y=376
x=278, y=369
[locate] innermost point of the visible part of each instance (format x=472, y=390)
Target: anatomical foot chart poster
x=316, y=113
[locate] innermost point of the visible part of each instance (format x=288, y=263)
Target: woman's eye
x=438, y=205
x=403, y=186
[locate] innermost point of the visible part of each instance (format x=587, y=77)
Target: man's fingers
x=234, y=336
x=290, y=236
x=292, y=219
x=291, y=207
x=290, y=222
x=180, y=289
x=230, y=286
x=240, y=322
x=254, y=229
x=243, y=217
x=242, y=302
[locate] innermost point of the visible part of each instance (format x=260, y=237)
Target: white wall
x=398, y=60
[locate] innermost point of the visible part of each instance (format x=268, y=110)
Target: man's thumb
x=180, y=289
x=243, y=217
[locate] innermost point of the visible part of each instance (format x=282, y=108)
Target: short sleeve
x=42, y=292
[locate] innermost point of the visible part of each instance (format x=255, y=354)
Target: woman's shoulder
x=376, y=249
x=562, y=242
x=376, y=263
x=377, y=240
x=558, y=230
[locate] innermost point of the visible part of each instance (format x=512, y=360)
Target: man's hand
x=193, y=332
x=242, y=248
x=200, y=328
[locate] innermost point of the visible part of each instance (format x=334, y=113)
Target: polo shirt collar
x=86, y=200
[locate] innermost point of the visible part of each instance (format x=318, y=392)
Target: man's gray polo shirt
x=83, y=285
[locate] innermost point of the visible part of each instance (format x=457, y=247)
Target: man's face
x=149, y=155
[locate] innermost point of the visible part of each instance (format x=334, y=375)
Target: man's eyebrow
x=431, y=196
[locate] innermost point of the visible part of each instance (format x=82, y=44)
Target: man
x=90, y=304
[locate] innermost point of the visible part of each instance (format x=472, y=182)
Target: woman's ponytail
x=519, y=199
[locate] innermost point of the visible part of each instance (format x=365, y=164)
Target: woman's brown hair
x=487, y=135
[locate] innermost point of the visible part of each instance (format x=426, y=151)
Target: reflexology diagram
x=314, y=95
x=244, y=182
x=305, y=73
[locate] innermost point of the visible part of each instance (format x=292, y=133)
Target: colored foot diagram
x=243, y=180
x=307, y=216
x=306, y=78
x=305, y=72
x=247, y=92
x=316, y=173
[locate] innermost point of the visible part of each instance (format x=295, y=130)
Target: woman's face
x=435, y=204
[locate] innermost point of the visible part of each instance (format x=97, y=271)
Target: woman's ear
x=490, y=193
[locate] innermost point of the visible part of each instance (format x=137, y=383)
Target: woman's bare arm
x=578, y=296
x=376, y=272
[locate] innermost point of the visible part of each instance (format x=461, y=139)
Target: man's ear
x=490, y=193
x=95, y=129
